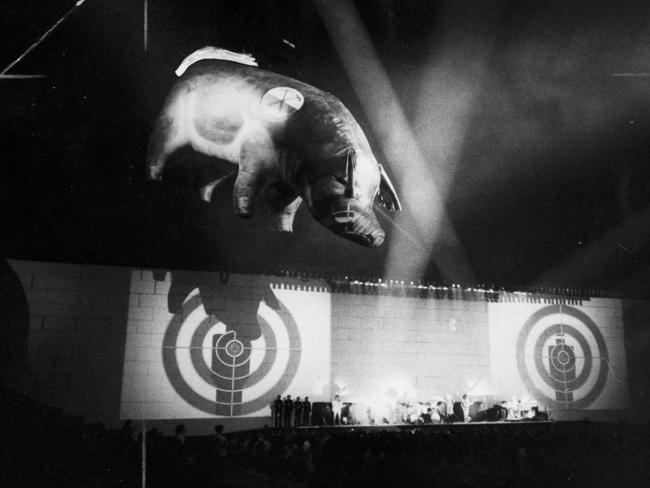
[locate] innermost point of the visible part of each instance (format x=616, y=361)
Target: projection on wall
x=566, y=357
x=104, y=341
x=226, y=349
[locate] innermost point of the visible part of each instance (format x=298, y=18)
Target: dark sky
x=540, y=148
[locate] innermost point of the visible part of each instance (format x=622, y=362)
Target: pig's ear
x=350, y=166
x=387, y=196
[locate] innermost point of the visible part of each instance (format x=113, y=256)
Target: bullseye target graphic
x=230, y=368
x=562, y=357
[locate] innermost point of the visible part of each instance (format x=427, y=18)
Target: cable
x=42, y=38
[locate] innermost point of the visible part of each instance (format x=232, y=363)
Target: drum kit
x=412, y=412
x=417, y=412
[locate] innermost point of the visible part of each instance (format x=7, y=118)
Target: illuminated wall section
x=201, y=345
x=388, y=348
x=113, y=343
x=567, y=357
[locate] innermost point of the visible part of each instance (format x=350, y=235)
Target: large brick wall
x=160, y=379
x=588, y=337
x=75, y=336
x=111, y=343
x=408, y=347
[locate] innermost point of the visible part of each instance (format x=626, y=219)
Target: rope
x=42, y=38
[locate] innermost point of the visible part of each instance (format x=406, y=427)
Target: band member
x=288, y=409
x=336, y=410
x=412, y=413
x=513, y=411
x=434, y=415
x=465, y=404
x=306, y=411
x=441, y=409
x=427, y=416
x=297, y=406
x=277, y=411
x=501, y=411
x=449, y=405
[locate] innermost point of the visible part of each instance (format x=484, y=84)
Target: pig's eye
x=347, y=183
x=348, y=180
x=343, y=181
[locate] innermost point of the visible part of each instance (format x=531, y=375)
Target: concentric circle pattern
x=562, y=357
x=222, y=372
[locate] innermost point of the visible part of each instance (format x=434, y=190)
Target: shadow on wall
x=14, y=327
x=637, y=345
x=230, y=370
x=63, y=331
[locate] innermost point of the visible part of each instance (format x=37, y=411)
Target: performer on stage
x=502, y=411
x=306, y=411
x=297, y=406
x=336, y=410
x=277, y=411
x=465, y=403
x=449, y=406
x=288, y=409
x=443, y=413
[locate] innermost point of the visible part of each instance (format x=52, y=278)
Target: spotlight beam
x=416, y=241
x=420, y=193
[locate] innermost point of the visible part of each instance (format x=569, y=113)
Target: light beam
x=420, y=193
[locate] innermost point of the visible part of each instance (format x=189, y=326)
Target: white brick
x=152, y=301
x=147, y=275
x=140, y=313
x=140, y=286
x=149, y=327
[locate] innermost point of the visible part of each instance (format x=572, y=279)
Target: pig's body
x=288, y=140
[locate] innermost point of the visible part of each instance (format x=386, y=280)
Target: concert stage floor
x=410, y=427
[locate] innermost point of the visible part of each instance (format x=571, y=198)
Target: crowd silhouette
x=44, y=447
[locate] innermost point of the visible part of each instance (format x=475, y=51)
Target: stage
x=408, y=427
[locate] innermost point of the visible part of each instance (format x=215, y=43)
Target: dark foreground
x=43, y=447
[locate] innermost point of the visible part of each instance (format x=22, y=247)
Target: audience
x=44, y=447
